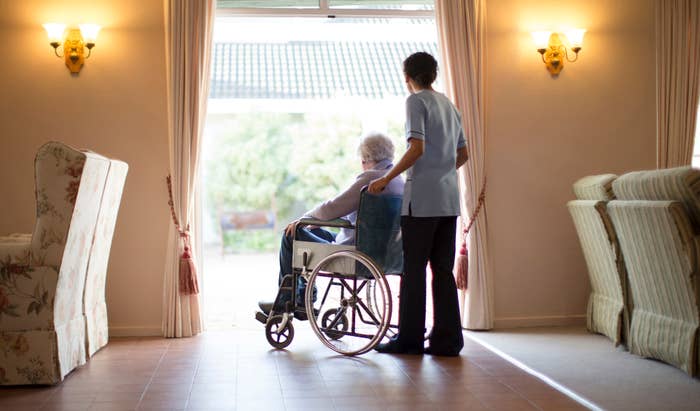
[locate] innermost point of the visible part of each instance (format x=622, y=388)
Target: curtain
x=188, y=38
x=461, y=30
x=677, y=80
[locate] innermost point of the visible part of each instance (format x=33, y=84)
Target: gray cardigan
x=345, y=204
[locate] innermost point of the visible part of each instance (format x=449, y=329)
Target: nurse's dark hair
x=421, y=67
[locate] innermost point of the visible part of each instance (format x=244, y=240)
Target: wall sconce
x=553, y=50
x=73, y=42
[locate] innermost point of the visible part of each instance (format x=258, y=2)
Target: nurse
x=436, y=149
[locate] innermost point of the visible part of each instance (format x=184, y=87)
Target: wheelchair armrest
x=338, y=222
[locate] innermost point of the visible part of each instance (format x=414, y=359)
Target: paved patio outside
x=232, y=286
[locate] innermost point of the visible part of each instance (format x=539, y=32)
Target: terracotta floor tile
x=64, y=406
x=121, y=405
x=162, y=406
x=236, y=370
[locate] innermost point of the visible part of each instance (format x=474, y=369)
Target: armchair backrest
x=379, y=230
x=608, y=306
x=69, y=187
x=94, y=305
x=657, y=218
x=680, y=184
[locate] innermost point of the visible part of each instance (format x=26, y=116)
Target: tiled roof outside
x=311, y=69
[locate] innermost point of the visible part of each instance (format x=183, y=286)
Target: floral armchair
x=42, y=275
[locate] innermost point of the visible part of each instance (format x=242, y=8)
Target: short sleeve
x=461, y=141
x=415, y=117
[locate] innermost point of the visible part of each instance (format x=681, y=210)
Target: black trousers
x=429, y=240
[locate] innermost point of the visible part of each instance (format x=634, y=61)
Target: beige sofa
x=43, y=275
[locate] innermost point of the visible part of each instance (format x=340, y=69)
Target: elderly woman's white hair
x=376, y=147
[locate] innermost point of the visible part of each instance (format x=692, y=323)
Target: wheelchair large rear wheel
x=343, y=317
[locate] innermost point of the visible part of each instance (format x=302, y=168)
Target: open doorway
x=290, y=97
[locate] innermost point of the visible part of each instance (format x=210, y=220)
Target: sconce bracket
x=554, y=55
x=73, y=51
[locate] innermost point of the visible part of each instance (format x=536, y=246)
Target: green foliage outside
x=284, y=162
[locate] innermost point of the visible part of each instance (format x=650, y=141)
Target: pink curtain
x=461, y=29
x=188, y=38
x=677, y=79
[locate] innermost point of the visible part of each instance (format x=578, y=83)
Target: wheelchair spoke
x=338, y=319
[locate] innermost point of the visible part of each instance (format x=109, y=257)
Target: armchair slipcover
x=95, y=307
x=42, y=275
x=607, y=311
x=657, y=219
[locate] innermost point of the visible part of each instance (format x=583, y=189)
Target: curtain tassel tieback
x=187, y=275
x=462, y=262
x=188, y=269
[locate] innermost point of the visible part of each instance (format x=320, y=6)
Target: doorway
x=289, y=99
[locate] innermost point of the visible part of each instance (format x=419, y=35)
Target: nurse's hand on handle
x=377, y=186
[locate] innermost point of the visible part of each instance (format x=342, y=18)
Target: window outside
x=289, y=100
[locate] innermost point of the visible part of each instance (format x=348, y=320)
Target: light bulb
x=55, y=32
x=89, y=32
x=541, y=38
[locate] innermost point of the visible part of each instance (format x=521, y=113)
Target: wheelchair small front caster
x=332, y=320
x=277, y=335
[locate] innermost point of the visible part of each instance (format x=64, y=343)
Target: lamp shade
x=575, y=37
x=55, y=32
x=541, y=38
x=89, y=32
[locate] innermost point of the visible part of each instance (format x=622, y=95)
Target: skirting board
x=545, y=321
x=135, y=331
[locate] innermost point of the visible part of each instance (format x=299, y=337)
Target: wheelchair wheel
x=334, y=319
x=374, y=300
x=351, y=323
x=278, y=336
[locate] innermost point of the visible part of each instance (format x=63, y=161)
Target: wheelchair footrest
x=260, y=316
x=300, y=313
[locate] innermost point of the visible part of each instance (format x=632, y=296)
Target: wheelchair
x=348, y=300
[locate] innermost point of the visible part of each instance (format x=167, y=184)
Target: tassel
x=188, y=274
x=462, y=268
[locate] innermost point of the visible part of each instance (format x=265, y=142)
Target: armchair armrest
x=338, y=222
x=15, y=249
x=26, y=292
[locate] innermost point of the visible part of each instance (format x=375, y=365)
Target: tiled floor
x=237, y=370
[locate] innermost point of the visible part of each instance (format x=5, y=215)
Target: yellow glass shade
x=541, y=38
x=89, y=32
x=575, y=37
x=55, y=32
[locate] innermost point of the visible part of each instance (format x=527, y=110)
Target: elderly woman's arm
x=342, y=204
x=339, y=206
x=412, y=154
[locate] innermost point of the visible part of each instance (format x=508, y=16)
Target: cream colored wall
x=544, y=133
x=116, y=107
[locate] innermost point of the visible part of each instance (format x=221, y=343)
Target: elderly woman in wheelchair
x=337, y=280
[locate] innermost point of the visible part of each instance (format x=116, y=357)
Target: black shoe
x=265, y=306
x=395, y=347
x=442, y=353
